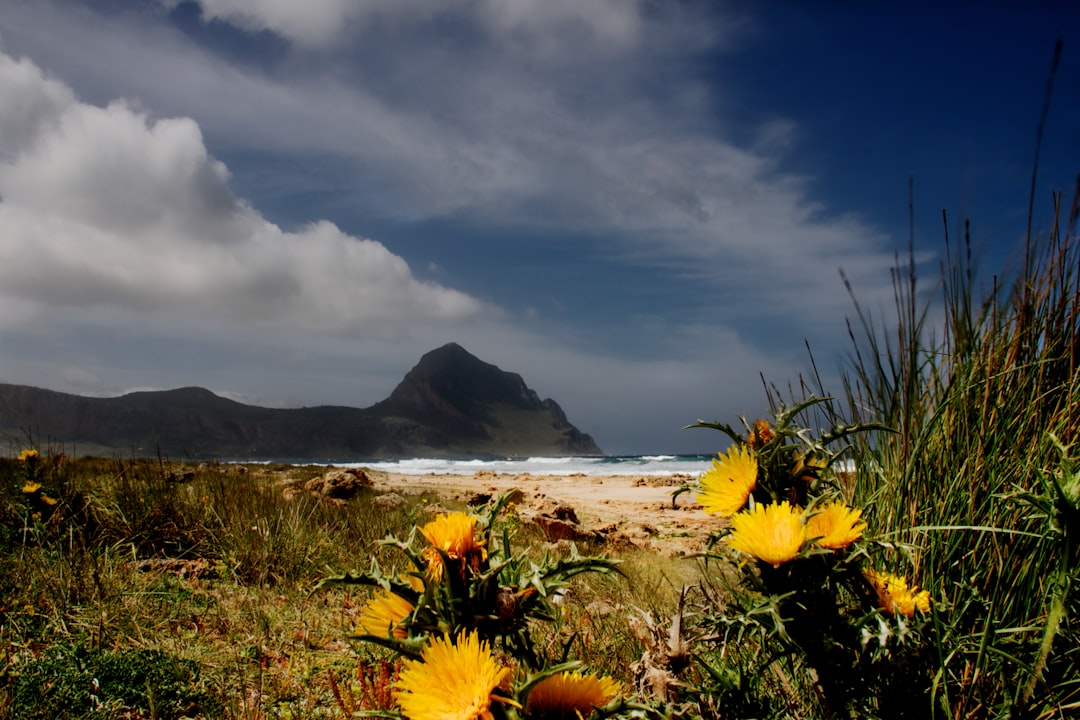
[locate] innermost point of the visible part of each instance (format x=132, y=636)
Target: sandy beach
x=624, y=509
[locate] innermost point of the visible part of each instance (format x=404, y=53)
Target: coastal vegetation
x=138, y=588
x=933, y=575
x=981, y=478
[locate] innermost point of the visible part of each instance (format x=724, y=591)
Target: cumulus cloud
x=614, y=140
x=110, y=207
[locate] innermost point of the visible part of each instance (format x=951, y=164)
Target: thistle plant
x=39, y=500
x=810, y=589
x=463, y=614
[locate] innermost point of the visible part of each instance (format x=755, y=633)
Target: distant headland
x=451, y=404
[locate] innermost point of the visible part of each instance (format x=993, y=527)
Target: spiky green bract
x=791, y=459
x=498, y=594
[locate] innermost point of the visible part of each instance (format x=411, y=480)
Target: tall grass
x=147, y=575
x=977, y=399
x=145, y=588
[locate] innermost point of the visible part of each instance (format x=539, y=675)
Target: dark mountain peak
x=453, y=382
x=460, y=396
x=450, y=349
x=451, y=358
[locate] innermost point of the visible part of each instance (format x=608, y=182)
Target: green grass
x=977, y=398
x=75, y=682
x=83, y=583
x=186, y=591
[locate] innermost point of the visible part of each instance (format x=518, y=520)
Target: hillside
x=451, y=404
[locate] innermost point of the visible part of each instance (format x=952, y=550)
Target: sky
x=641, y=206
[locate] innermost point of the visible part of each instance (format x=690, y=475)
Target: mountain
x=452, y=404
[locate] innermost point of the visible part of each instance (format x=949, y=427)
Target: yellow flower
x=727, y=485
x=382, y=615
x=894, y=595
x=773, y=533
x=29, y=454
x=451, y=681
x=454, y=534
x=569, y=696
x=31, y=487
x=836, y=526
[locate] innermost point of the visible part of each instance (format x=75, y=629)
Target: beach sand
x=623, y=510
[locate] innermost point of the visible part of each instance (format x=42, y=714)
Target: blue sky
x=641, y=207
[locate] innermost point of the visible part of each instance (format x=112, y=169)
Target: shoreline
x=633, y=509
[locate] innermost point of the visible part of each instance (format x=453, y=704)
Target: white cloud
x=30, y=99
x=547, y=26
x=311, y=22
x=107, y=206
x=607, y=143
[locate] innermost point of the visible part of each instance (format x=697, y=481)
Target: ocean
x=657, y=465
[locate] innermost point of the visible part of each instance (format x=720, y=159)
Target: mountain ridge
x=450, y=404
